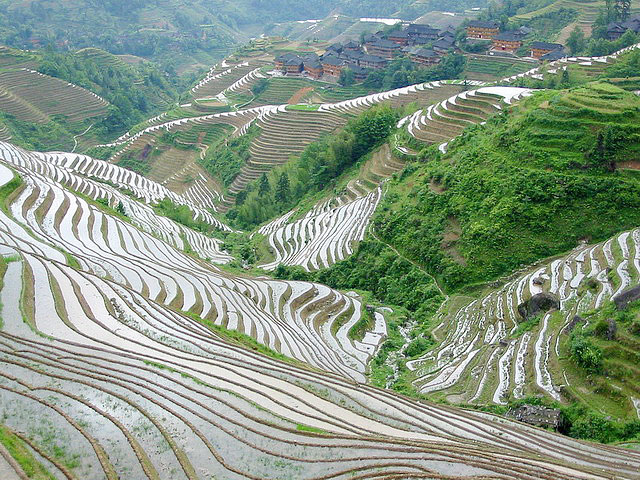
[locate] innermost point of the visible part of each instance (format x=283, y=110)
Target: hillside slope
x=104, y=376
x=540, y=180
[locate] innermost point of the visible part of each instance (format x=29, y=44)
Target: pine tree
x=265, y=186
x=283, y=189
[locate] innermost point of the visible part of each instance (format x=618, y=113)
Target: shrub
x=586, y=354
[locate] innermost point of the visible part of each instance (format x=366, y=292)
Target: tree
x=265, y=186
x=283, y=189
x=576, y=41
x=347, y=77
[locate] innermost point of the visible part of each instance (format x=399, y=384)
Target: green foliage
x=134, y=92
x=22, y=454
x=576, y=41
x=347, y=77
x=136, y=163
x=586, y=424
x=585, y=353
x=418, y=347
x=403, y=72
x=317, y=168
x=260, y=86
x=7, y=189
x=527, y=326
x=183, y=215
x=519, y=181
x=375, y=268
x=225, y=160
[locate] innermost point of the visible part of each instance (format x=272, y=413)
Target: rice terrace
x=320, y=240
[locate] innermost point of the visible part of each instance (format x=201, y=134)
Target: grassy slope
x=516, y=190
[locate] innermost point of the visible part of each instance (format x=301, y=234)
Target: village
x=423, y=45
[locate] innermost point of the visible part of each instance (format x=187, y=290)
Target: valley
x=269, y=269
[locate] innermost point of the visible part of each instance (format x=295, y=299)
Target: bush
x=586, y=354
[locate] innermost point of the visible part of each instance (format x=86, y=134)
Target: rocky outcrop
x=538, y=416
x=540, y=303
x=623, y=300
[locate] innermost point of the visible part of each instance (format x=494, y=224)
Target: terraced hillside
x=101, y=378
x=31, y=96
x=287, y=130
x=440, y=123
x=284, y=316
x=330, y=230
x=491, y=353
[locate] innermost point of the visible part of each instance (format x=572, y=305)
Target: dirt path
x=299, y=95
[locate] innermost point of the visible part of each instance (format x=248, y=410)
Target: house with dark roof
x=283, y=59
x=352, y=57
x=553, y=56
x=616, y=29
x=312, y=66
x=351, y=46
x=384, y=48
x=425, y=56
x=444, y=45
x=507, y=42
x=360, y=74
x=540, y=49
x=373, y=61
x=400, y=37
x=482, y=30
x=335, y=48
x=332, y=65
x=294, y=66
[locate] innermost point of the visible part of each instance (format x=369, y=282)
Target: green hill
x=525, y=186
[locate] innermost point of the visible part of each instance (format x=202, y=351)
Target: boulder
x=575, y=321
x=623, y=300
x=538, y=416
x=540, y=303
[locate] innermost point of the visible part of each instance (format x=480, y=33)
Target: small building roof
x=421, y=29
x=387, y=44
x=399, y=34
x=553, y=56
x=332, y=60
x=546, y=46
x=444, y=43
x=483, y=24
x=351, y=44
x=294, y=62
x=425, y=53
x=508, y=37
x=372, y=59
x=286, y=57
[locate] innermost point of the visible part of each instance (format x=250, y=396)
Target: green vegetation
x=602, y=358
x=183, y=215
x=226, y=159
x=306, y=428
x=135, y=92
x=318, y=167
x=7, y=189
x=21, y=454
x=403, y=72
x=535, y=180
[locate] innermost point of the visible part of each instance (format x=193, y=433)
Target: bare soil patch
x=299, y=95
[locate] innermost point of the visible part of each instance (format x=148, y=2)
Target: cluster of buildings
x=616, y=29
x=511, y=41
x=423, y=44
